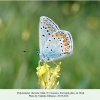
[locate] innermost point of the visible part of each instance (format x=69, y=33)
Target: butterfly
x=53, y=43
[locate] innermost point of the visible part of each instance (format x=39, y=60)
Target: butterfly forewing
x=46, y=28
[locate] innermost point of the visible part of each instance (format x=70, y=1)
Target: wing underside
x=46, y=28
x=58, y=45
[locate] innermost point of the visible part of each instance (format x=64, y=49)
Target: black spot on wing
x=65, y=52
x=43, y=35
x=69, y=36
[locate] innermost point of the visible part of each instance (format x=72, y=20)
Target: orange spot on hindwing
x=66, y=44
x=64, y=36
x=57, y=34
x=65, y=40
x=61, y=34
x=65, y=50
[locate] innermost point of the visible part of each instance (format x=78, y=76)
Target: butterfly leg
x=40, y=61
x=53, y=61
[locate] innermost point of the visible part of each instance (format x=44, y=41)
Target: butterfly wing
x=58, y=45
x=46, y=28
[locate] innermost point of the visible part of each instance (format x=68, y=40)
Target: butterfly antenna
x=30, y=51
x=25, y=51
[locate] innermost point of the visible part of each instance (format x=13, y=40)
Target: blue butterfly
x=53, y=42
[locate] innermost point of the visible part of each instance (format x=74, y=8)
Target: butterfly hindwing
x=46, y=28
x=58, y=45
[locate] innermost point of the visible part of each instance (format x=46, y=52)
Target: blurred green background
x=19, y=23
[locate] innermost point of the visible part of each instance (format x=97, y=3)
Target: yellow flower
x=47, y=76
